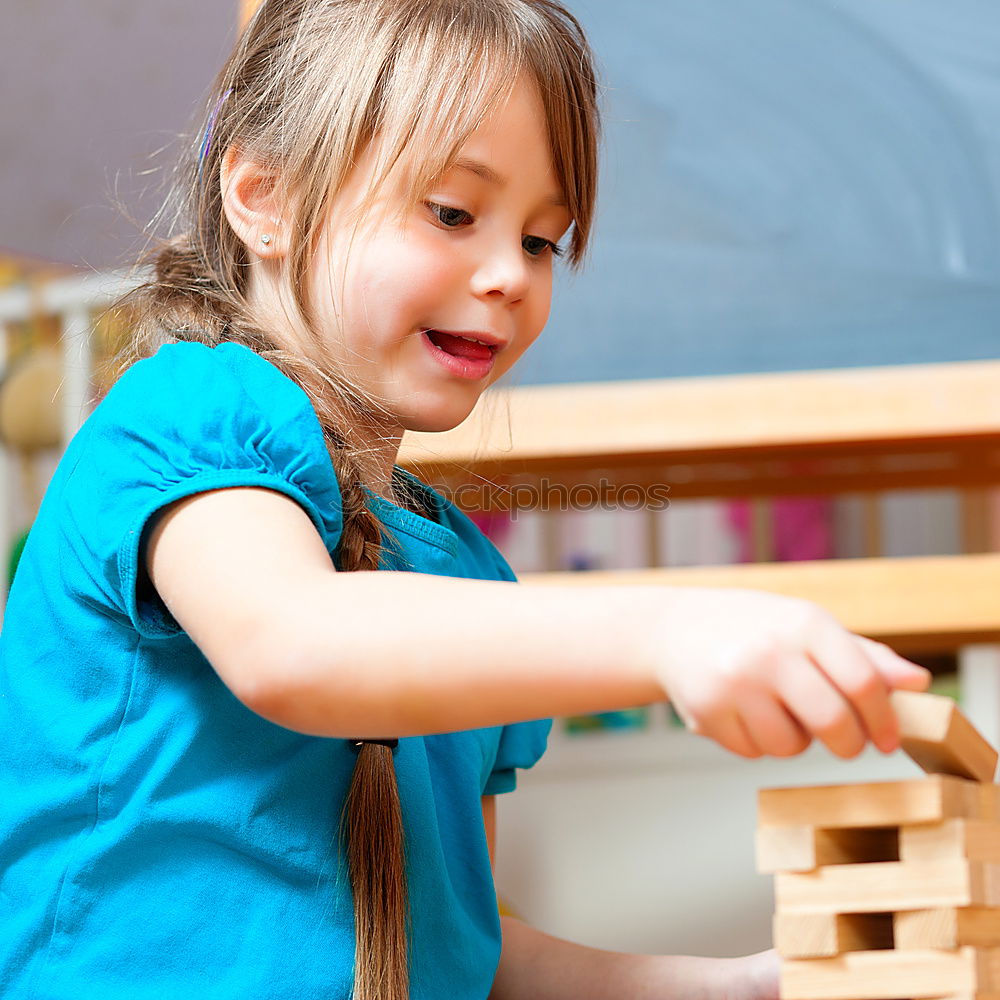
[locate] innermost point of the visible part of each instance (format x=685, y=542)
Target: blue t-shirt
x=157, y=838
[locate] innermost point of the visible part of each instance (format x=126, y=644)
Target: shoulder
x=191, y=418
x=188, y=373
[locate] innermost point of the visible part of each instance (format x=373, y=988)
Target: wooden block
x=888, y=886
x=976, y=839
x=888, y=975
x=947, y=928
x=989, y=802
x=819, y=935
x=785, y=849
x=971, y=996
x=941, y=739
x=803, y=848
x=886, y=803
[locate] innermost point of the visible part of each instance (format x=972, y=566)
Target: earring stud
x=265, y=239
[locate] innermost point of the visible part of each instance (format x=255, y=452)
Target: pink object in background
x=495, y=525
x=802, y=528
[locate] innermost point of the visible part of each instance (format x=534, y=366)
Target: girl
x=238, y=623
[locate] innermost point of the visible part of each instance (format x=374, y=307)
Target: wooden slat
x=888, y=886
x=247, y=9
x=725, y=414
x=921, y=603
x=886, y=975
x=803, y=848
x=977, y=995
x=785, y=849
x=823, y=935
x=973, y=926
x=978, y=840
x=881, y=803
x=936, y=734
x=933, y=425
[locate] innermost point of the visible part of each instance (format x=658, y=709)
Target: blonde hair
x=309, y=86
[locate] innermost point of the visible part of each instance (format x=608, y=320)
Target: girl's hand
x=764, y=674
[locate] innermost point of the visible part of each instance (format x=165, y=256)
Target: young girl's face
x=473, y=259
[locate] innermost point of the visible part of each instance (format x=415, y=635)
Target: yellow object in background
x=30, y=416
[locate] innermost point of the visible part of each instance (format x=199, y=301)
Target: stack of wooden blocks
x=891, y=891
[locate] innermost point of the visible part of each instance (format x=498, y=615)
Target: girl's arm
x=537, y=966
x=383, y=654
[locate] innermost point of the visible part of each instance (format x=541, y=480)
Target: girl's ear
x=253, y=205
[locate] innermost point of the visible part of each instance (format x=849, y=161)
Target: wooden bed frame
x=760, y=436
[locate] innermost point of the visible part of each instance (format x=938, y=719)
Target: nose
x=502, y=273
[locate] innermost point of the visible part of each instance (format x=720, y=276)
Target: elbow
x=310, y=693
x=267, y=672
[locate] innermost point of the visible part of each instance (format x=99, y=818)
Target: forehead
x=512, y=139
x=509, y=143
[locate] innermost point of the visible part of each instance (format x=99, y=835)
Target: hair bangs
x=436, y=96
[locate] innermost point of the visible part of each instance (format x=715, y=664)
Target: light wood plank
x=978, y=840
x=888, y=886
x=947, y=927
x=785, y=849
x=803, y=848
x=879, y=804
x=936, y=734
x=971, y=996
x=886, y=975
x=675, y=418
x=919, y=603
x=247, y=10
x=822, y=935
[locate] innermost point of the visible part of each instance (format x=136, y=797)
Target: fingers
x=727, y=729
x=771, y=727
x=822, y=707
x=848, y=665
x=897, y=671
x=861, y=674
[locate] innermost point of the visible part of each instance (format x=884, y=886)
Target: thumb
x=897, y=672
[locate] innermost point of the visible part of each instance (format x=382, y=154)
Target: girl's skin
x=308, y=648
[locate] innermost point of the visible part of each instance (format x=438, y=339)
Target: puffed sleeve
x=187, y=420
x=521, y=745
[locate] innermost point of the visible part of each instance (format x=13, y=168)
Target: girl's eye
x=537, y=245
x=450, y=217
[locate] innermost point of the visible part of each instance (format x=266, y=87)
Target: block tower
x=891, y=890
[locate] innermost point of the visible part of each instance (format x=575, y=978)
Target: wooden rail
x=919, y=426
x=757, y=436
x=916, y=605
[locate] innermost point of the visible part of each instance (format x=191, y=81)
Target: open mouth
x=460, y=347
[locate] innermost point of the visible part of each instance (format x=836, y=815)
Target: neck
x=376, y=436
x=380, y=444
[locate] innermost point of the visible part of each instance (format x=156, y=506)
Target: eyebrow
x=488, y=174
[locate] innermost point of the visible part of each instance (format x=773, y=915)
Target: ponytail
x=378, y=877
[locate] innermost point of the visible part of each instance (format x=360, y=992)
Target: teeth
x=472, y=340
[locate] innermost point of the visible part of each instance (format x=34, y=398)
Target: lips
x=464, y=345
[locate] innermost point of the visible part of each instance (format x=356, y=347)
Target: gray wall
x=787, y=184
x=89, y=91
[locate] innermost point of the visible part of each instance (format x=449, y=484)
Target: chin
x=439, y=418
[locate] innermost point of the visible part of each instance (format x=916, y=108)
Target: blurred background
x=787, y=185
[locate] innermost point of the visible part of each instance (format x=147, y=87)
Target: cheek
x=403, y=275
x=541, y=303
